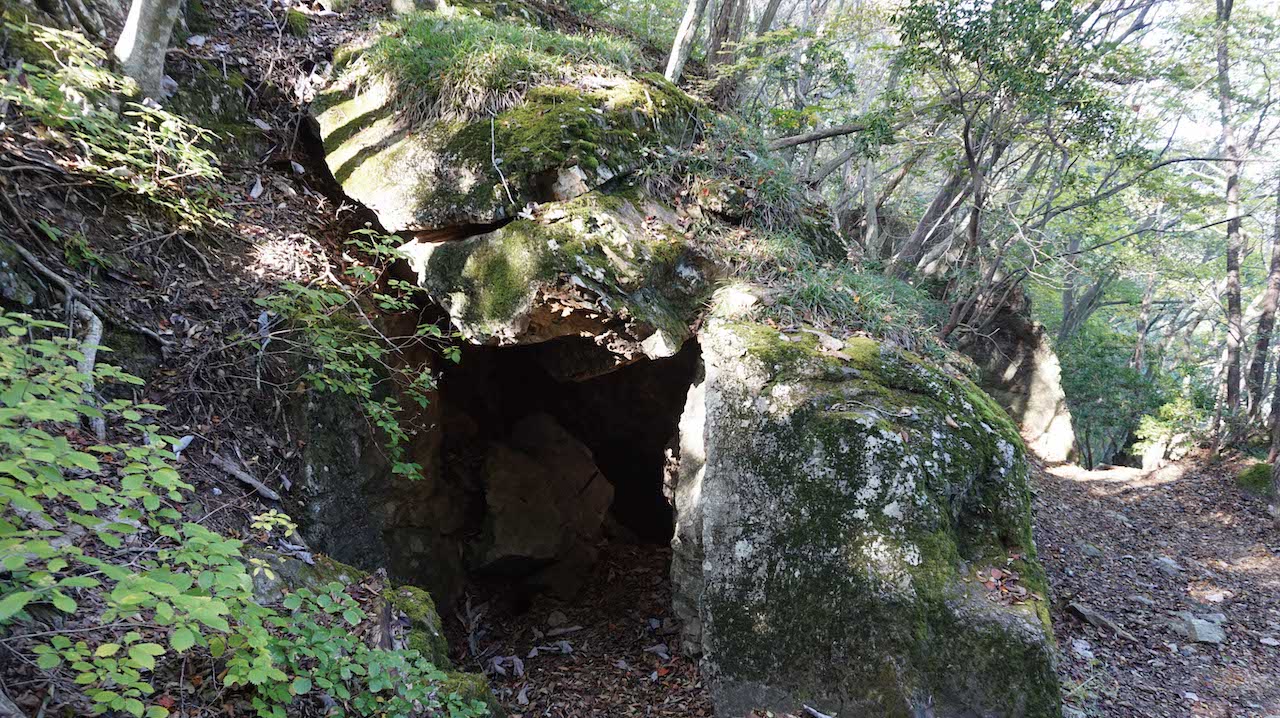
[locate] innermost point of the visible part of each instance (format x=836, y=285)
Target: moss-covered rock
x=836, y=505
x=297, y=22
x=612, y=265
x=211, y=96
x=1256, y=478
x=426, y=634
x=559, y=141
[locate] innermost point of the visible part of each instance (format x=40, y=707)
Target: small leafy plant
x=93, y=532
x=140, y=150
x=345, y=352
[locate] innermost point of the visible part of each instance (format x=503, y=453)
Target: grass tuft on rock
x=461, y=67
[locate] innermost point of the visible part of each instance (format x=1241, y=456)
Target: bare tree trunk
x=870, y=217
x=939, y=208
x=719, y=50
x=685, y=36
x=766, y=19
x=1139, y=359
x=1266, y=323
x=1235, y=332
x=145, y=40
x=1275, y=423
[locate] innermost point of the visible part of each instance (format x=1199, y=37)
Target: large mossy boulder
x=840, y=508
x=394, y=142
x=614, y=266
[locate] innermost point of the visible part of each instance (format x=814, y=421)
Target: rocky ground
x=1166, y=589
x=611, y=651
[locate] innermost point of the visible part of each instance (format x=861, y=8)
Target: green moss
x=297, y=22
x=1256, y=478
x=492, y=279
x=211, y=99
x=197, y=16
x=472, y=687
x=907, y=543
x=426, y=633
x=455, y=64
x=23, y=45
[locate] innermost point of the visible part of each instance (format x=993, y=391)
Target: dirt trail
x=1138, y=549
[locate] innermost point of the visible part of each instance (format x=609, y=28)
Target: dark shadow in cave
x=627, y=417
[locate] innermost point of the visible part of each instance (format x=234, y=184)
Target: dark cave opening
x=628, y=418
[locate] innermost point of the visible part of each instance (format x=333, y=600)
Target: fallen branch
x=8, y=709
x=230, y=467
x=1093, y=616
x=89, y=356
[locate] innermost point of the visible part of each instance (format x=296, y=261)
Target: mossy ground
x=1256, y=478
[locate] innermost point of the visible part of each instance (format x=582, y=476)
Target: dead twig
x=230, y=467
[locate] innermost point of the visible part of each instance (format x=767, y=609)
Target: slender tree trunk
x=938, y=209
x=871, y=217
x=719, y=50
x=766, y=19
x=1266, y=323
x=1231, y=150
x=145, y=40
x=1275, y=422
x=685, y=36
x=1143, y=325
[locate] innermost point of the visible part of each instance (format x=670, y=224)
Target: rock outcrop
x=559, y=142
x=1020, y=370
x=613, y=266
x=410, y=609
x=852, y=525
x=840, y=511
x=546, y=503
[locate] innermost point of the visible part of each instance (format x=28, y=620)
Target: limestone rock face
x=612, y=265
x=1021, y=371
x=546, y=502
x=563, y=141
x=834, y=510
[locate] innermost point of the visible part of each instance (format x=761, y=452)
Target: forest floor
x=1166, y=591
x=613, y=650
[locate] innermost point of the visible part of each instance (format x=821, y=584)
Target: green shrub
x=344, y=352
x=69, y=504
x=1256, y=478
x=142, y=150
x=461, y=66
x=1179, y=420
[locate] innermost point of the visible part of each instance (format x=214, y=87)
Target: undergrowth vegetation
x=782, y=242
x=457, y=66
x=105, y=575
x=138, y=149
x=342, y=351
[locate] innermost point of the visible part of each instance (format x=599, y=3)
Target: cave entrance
x=561, y=456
